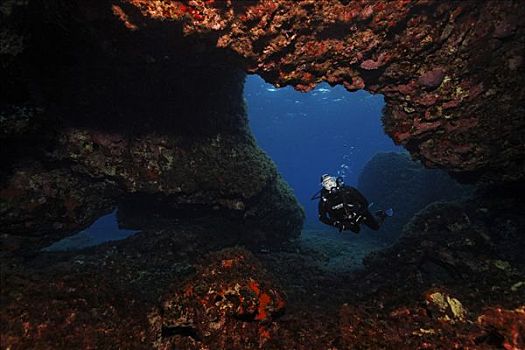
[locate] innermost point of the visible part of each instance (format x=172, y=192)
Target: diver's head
x=340, y=181
x=328, y=182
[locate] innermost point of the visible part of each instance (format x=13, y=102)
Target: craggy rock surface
x=393, y=180
x=229, y=303
x=457, y=274
x=110, y=103
x=451, y=72
x=38, y=207
x=90, y=119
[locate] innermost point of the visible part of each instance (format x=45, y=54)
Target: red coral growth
x=227, y=263
x=420, y=127
x=357, y=84
x=117, y=11
x=509, y=325
x=261, y=9
x=264, y=302
x=432, y=79
x=230, y=289
x=427, y=100
x=461, y=125
x=452, y=104
x=316, y=48
x=407, y=89
x=370, y=64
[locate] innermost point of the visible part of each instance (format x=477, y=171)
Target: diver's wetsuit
x=346, y=208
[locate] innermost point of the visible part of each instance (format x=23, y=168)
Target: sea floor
x=339, y=252
x=97, y=296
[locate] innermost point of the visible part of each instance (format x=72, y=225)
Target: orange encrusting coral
x=264, y=301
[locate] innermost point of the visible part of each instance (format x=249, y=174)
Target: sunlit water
x=327, y=130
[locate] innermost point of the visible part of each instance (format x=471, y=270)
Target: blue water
x=102, y=230
x=327, y=130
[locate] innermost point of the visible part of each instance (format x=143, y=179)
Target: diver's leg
x=373, y=222
x=354, y=228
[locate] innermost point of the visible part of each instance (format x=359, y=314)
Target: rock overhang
x=451, y=72
x=111, y=108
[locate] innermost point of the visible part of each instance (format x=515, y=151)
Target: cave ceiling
x=451, y=72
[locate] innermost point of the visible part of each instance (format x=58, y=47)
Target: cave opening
x=327, y=130
x=104, y=229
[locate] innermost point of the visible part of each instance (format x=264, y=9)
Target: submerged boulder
x=229, y=303
x=472, y=248
x=393, y=180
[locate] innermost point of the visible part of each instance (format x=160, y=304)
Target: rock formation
x=138, y=104
x=393, y=180
x=451, y=72
x=119, y=115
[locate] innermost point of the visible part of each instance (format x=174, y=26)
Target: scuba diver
x=345, y=208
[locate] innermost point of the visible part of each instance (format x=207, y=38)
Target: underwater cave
x=133, y=132
x=326, y=130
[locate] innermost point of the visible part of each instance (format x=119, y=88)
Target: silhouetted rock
x=393, y=180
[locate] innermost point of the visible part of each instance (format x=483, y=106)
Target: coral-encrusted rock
x=38, y=206
x=230, y=303
x=459, y=50
x=403, y=328
x=471, y=249
x=76, y=311
x=504, y=328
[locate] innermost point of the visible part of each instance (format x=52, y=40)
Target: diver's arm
x=357, y=196
x=323, y=213
x=317, y=195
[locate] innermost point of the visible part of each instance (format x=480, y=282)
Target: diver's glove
x=383, y=214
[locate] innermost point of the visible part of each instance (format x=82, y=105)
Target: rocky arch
x=123, y=90
x=100, y=100
x=451, y=72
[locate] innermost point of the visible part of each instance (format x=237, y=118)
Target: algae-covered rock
x=163, y=134
x=38, y=206
x=445, y=307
